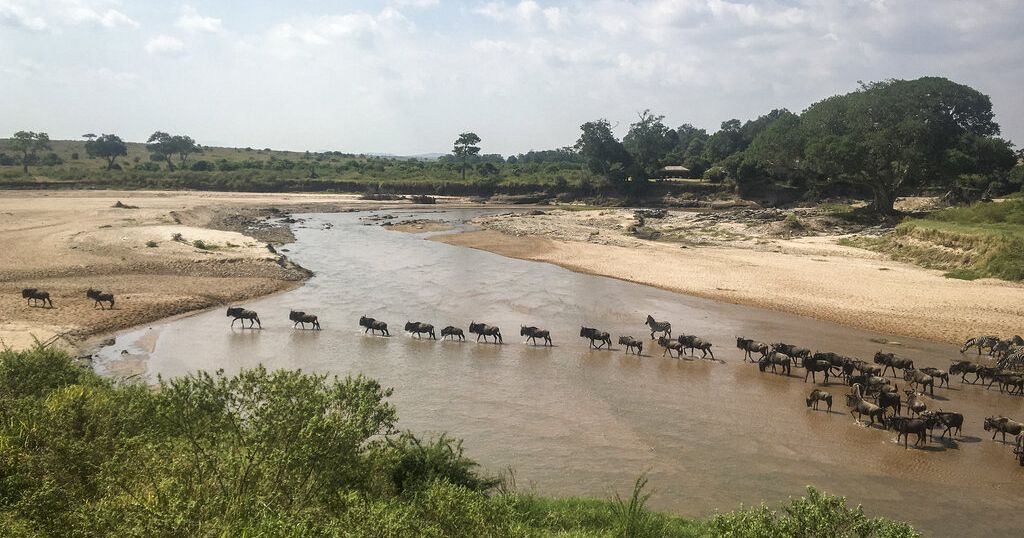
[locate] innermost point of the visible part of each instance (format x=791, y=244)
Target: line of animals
x=40, y=298
x=867, y=381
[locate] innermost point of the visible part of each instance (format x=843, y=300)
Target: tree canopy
x=28, y=143
x=107, y=146
x=465, y=147
x=165, y=146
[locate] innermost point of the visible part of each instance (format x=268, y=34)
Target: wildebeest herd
x=871, y=394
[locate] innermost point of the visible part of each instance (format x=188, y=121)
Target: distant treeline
x=883, y=140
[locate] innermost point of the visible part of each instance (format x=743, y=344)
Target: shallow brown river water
x=573, y=421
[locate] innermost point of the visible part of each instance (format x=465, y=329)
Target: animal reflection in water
x=533, y=333
x=419, y=329
x=485, y=331
x=596, y=336
x=302, y=318
x=238, y=313
x=371, y=324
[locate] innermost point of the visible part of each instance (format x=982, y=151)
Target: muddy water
x=573, y=421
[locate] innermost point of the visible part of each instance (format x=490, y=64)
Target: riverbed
x=574, y=421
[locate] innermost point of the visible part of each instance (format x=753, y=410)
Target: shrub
x=151, y=244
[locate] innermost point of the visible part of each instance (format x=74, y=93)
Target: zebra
x=35, y=296
x=533, y=333
x=663, y=327
x=980, y=342
x=1014, y=359
x=484, y=330
x=238, y=313
x=688, y=341
x=373, y=325
x=596, y=336
x=453, y=332
x=303, y=318
x=750, y=346
x=419, y=329
x=631, y=344
x=100, y=298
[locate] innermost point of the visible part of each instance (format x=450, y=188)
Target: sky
x=407, y=76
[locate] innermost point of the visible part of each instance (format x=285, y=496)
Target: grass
x=982, y=240
x=202, y=245
x=151, y=244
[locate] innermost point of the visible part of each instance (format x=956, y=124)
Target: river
x=575, y=421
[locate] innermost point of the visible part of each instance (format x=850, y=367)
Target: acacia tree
x=28, y=143
x=108, y=146
x=165, y=146
x=894, y=136
x=465, y=147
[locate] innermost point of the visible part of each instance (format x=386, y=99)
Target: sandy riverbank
x=760, y=264
x=65, y=242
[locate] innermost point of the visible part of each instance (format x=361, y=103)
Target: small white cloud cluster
x=191, y=21
x=39, y=15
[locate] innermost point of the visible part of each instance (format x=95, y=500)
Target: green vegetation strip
x=288, y=453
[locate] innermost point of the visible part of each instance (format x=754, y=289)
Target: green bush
x=151, y=244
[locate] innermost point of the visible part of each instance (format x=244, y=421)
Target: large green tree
x=164, y=146
x=602, y=153
x=107, y=146
x=28, y=143
x=466, y=147
x=648, y=141
x=895, y=136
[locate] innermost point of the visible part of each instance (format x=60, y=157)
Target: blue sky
x=406, y=76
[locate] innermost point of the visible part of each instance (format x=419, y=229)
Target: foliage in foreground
x=287, y=453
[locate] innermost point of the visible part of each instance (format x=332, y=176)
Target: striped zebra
x=1012, y=361
x=663, y=327
x=980, y=342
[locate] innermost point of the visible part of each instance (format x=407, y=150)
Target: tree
x=602, y=153
x=466, y=147
x=28, y=143
x=648, y=141
x=107, y=146
x=894, y=136
x=165, y=146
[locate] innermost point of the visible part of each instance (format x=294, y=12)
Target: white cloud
x=117, y=77
x=191, y=21
x=289, y=38
x=165, y=44
x=52, y=14
x=525, y=12
x=416, y=3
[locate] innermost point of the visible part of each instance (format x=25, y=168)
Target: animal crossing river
x=575, y=421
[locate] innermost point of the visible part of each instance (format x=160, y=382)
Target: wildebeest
x=694, y=343
x=813, y=366
x=774, y=360
x=751, y=346
x=237, y=313
x=988, y=373
x=891, y=361
x=941, y=375
x=484, y=330
x=915, y=404
x=1018, y=449
x=35, y=296
x=373, y=325
x=947, y=419
x=453, y=333
x=631, y=344
x=981, y=342
x=596, y=336
x=1001, y=424
x=798, y=354
x=301, y=318
x=1011, y=383
x=866, y=367
x=919, y=380
x=100, y=298
x=533, y=333
x=419, y=329
x=819, y=396
x=669, y=346
x=855, y=400
x=905, y=426
x=663, y=327
x=887, y=400
x=963, y=368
